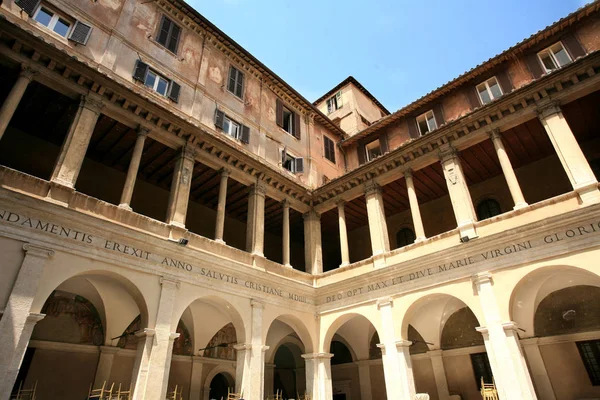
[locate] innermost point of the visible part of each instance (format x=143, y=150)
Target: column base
x=420, y=239
x=467, y=231
x=588, y=193
x=379, y=261
x=177, y=232
x=288, y=266
x=344, y=264
x=220, y=241
x=125, y=206
x=518, y=206
x=60, y=193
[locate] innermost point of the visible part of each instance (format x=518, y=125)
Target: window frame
x=288, y=158
x=333, y=104
x=368, y=155
x=325, y=142
x=158, y=77
x=548, y=50
x=594, y=376
x=239, y=73
x=290, y=119
x=232, y=123
x=55, y=17
x=488, y=89
x=424, y=117
x=169, y=34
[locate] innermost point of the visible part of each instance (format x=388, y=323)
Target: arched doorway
x=220, y=385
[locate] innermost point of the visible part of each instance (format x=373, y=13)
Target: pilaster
x=196, y=378
x=318, y=376
x=139, y=376
x=538, y=370
x=439, y=374
x=105, y=363
x=364, y=379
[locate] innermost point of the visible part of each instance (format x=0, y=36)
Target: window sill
x=287, y=133
x=174, y=55
x=334, y=164
x=240, y=99
x=153, y=93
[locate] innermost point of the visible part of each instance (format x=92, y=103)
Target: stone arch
x=534, y=287
x=108, y=291
x=226, y=370
x=297, y=325
x=359, y=340
x=429, y=314
x=287, y=340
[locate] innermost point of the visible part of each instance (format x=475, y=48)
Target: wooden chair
x=175, y=395
x=25, y=394
x=305, y=396
x=277, y=396
x=231, y=395
x=102, y=393
x=124, y=394
x=488, y=391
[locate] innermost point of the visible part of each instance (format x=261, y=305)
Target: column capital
x=371, y=187
x=174, y=335
x=387, y=302
x=545, y=110
x=341, y=203
x=494, y=134
x=37, y=251
x=317, y=356
x=242, y=347
x=28, y=72
x=312, y=214
x=189, y=151
x=225, y=173
x=167, y=281
x=91, y=103
x=259, y=188
x=481, y=278
x=447, y=153
x=482, y=329
x=143, y=131
x=257, y=304
x=401, y=344
x=285, y=203
x=35, y=318
x=408, y=173
x=144, y=333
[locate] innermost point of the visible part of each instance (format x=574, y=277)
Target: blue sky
x=398, y=49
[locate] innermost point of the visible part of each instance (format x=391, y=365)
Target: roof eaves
x=360, y=87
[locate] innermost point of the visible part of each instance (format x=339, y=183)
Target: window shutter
x=438, y=112
x=338, y=99
x=29, y=6
x=283, y=154
x=174, y=39
x=533, y=63
x=245, y=135
x=141, y=69
x=299, y=165
x=279, y=113
x=504, y=81
x=231, y=82
x=297, y=126
x=174, y=90
x=81, y=33
x=219, y=118
x=413, y=131
x=240, y=85
x=474, y=97
x=573, y=46
x=163, y=33
x=383, y=143
x=361, y=154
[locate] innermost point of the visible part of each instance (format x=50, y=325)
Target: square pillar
x=364, y=379
x=180, y=187
x=502, y=345
x=134, y=166
x=14, y=97
x=250, y=370
x=196, y=379
x=571, y=157
x=162, y=351
x=255, y=225
x=538, y=370
x=139, y=375
x=313, y=251
x=439, y=374
x=105, y=363
x=380, y=241
x=318, y=376
x=462, y=203
x=17, y=322
x=269, y=379
x=67, y=168
x=343, y=234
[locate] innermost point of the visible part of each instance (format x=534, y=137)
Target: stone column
x=162, y=351
x=269, y=379
x=343, y=234
x=572, y=158
x=459, y=192
x=180, y=187
x=364, y=379
x=439, y=373
x=507, y=169
x=318, y=376
x=139, y=375
x=507, y=362
x=105, y=363
x=397, y=366
x=17, y=322
x=255, y=228
x=14, y=98
x=134, y=166
x=196, y=379
x=220, y=225
x=415, y=210
x=538, y=369
x=74, y=148
x=250, y=379
x=286, y=234
x=313, y=251
x=380, y=240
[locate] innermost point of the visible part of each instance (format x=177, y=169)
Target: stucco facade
x=176, y=220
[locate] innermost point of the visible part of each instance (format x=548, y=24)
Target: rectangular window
x=373, y=150
x=231, y=128
x=590, y=354
x=489, y=90
x=293, y=164
x=554, y=57
x=236, y=82
x=168, y=35
x=482, y=369
x=334, y=103
x=426, y=122
x=288, y=121
x=329, y=149
x=52, y=21
x=158, y=83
